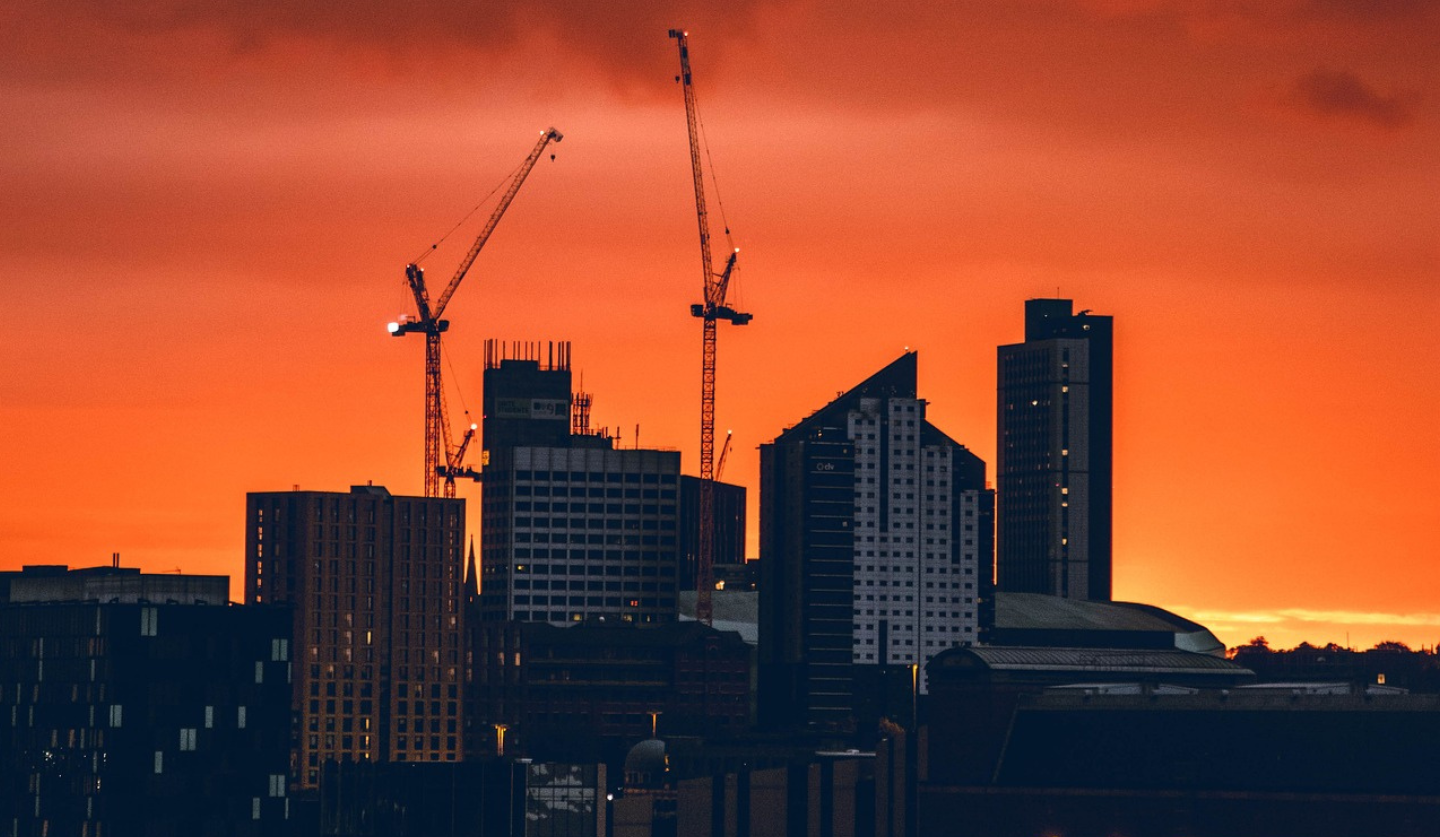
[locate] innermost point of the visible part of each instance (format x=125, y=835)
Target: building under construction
x=575, y=527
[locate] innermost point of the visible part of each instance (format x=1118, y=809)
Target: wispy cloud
x=1338, y=94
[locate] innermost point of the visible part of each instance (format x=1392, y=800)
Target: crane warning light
x=474, y=426
x=392, y=327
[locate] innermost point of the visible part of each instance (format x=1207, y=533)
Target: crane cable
x=458, y=392
x=476, y=208
x=714, y=181
x=719, y=203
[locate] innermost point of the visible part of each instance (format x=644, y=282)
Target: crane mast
x=710, y=312
x=441, y=460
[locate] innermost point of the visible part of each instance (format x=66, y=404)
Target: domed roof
x=646, y=757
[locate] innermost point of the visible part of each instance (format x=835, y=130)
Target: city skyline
x=209, y=217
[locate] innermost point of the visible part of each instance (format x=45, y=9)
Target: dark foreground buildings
x=1054, y=452
x=375, y=584
x=488, y=798
x=138, y=704
x=589, y=691
x=1026, y=741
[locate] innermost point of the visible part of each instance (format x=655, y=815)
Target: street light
x=914, y=697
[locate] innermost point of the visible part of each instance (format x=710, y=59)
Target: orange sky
x=207, y=209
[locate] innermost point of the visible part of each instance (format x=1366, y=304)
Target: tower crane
x=441, y=460
x=724, y=451
x=710, y=312
x=455, y=459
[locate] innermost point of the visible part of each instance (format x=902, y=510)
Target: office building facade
x=570, y=534
x=572, y=527
x=375, y=582
x=1055, y=450
x=875, y=552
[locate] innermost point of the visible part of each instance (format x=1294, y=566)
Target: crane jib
x=441, y=459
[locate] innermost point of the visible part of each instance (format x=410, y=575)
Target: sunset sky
x=207, y=209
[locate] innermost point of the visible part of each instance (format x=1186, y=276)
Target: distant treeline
x=1386, y=664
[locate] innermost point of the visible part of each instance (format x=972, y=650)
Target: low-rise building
x=141, y=704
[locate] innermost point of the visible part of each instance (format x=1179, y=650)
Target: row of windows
x=595, y=508
x=608, y=555
x=403, y=742
x=593, y=493
x=633, y=566
x=592, y=523
x=583, y=476
x=597, y=539
x=452, y=708
x=649, y=586
x=929, y=614
x=578, y=616
x=347, y=707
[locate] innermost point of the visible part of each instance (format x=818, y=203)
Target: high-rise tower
x=875, y=550
x=1054, y=451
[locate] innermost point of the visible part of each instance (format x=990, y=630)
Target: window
x=239, y=717
x=116, y=713
x=159, y=762
x=149, y=621
x=187, y=740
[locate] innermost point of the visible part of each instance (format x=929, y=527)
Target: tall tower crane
x=441, y=460
x=710, y=312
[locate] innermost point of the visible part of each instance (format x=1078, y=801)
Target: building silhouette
x=875, y=551
x=729, y=555
x=375, y=584
x=580, y=692
x=1027, y=740
x=133, y=703
x=1054, y=451
x=572, y=527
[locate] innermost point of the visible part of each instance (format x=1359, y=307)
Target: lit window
x=149, y=621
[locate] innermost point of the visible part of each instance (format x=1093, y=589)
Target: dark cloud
x=607, y=34
x=1369, y=11
x=1342, y=95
